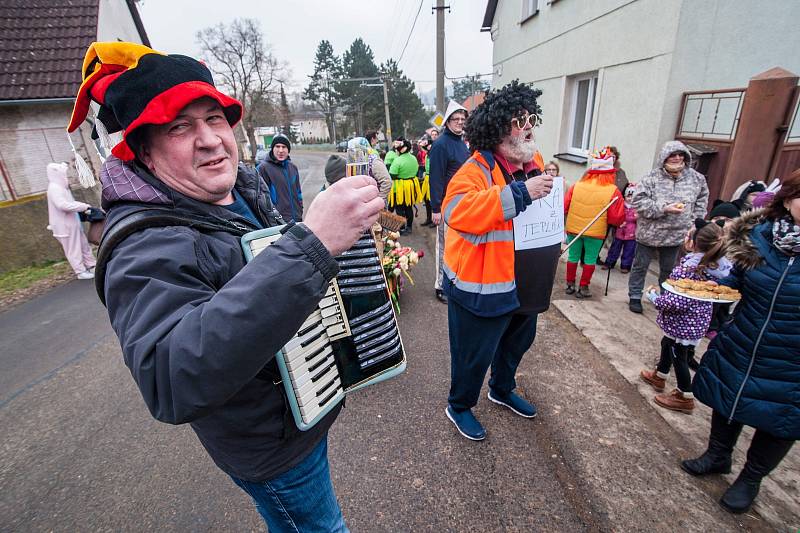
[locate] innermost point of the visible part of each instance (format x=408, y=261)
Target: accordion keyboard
x=349, y=341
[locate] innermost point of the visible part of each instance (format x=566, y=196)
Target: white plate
x=671, y=289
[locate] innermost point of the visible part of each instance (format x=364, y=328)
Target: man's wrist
x=313, y=248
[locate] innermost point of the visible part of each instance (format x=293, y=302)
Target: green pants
x=591, y=245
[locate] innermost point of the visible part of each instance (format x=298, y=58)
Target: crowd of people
x=750, y=374
x=195, y=332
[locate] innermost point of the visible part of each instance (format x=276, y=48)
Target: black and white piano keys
x=349, y=342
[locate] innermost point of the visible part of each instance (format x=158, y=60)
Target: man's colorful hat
x=136, y=85
x=601, y=162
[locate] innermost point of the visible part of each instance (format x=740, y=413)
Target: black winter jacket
x=199, y=327
x=283, y=182
x=447, y=154
x=751, y=371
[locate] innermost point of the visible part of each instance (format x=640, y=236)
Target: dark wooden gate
x=744, y=133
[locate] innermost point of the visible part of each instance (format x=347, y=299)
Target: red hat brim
x=165, y=107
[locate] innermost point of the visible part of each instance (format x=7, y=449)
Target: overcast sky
x=295, y=27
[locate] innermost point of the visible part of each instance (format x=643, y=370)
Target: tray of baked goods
x=705, y=291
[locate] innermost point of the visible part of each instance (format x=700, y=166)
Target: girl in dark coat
x=750, y=374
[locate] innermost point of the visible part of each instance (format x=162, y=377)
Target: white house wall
x=114, y=22
x=572, y=37
x=721, y=44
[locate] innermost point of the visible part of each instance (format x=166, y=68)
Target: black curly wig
x=490, y=122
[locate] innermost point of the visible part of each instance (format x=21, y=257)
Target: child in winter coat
x=582, y=202
x=624, y=237
x=684, y=320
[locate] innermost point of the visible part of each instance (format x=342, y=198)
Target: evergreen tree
x=463, y=89
x=285, y=117
x=404, y=104
x=322, y=89
x=364, y=104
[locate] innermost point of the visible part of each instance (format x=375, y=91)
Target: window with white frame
x=584, y=89
x=529, y=9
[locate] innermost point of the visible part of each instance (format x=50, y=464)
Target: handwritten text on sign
x=542, y=223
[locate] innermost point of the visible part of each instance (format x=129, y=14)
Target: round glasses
x=523, y=121
x=551, y=171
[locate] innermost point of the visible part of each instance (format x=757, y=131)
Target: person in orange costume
x=494, y=292
x=582, y=203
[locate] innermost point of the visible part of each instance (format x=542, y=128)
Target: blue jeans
x=479, y=343
x=300, y=500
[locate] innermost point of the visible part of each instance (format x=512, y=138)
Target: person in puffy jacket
x=750, y=374
x=685, y=320
x=582, y=203
x=624, y=242
x=668, y=200
x=62, y=210
x=283, y=179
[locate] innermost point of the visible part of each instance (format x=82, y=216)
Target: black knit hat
x=281, y=139
x=754, y=186
x=723, y=209
x=136, y=85
x=335, y=169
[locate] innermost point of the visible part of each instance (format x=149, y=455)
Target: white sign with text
x=542, y=222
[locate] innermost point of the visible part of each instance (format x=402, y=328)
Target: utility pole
x=385, y=83
x=386, y=111
x=440, y=7
x=474, y=79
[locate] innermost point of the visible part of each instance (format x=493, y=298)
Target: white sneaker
x=85, y=275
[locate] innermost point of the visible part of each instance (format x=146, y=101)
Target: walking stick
x=608, y=277
x=608, y=280
x=589, y=225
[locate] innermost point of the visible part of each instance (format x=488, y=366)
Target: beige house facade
x=613, y=72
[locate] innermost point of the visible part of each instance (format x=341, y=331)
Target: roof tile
x=42, y=44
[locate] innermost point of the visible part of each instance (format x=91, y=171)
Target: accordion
x=350, y=341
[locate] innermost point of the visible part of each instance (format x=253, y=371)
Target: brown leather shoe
x=651, y=378
x=675, y=401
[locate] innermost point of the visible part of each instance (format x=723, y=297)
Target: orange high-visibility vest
x=479, y=244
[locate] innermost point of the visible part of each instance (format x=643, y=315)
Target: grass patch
x=25, y=277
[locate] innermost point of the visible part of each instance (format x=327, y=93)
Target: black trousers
x=677, y=356
x=765, y=453
x=408, y=212
x=480, y=343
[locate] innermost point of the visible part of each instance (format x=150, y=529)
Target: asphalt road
x=81, y=453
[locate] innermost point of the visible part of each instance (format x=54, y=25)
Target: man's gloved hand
x=339, y=215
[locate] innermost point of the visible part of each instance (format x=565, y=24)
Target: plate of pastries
x=706, y=291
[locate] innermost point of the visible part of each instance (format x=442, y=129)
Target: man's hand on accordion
x=339, y=215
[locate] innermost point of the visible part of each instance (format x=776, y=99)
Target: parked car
x=341, y=146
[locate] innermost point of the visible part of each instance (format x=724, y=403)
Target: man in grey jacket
x=199, y=326
x=667, y=200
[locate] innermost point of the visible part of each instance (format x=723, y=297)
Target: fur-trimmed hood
x=741, y=248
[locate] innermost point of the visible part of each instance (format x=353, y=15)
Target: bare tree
x=245, y=65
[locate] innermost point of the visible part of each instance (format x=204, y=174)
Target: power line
x=410, y=33
x=469, y=76
x=399, y=19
